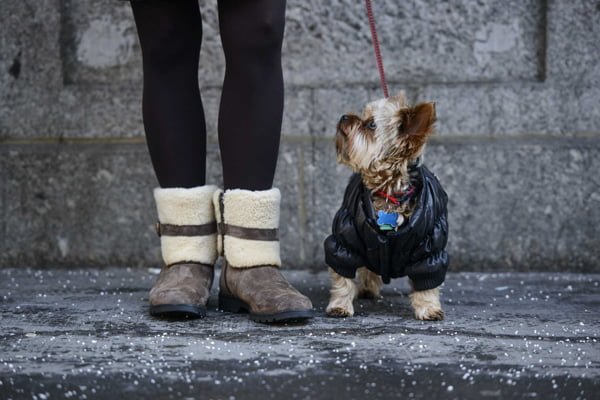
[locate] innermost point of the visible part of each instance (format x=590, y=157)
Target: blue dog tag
x=387, y=221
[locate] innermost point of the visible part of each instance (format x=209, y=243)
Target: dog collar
x=404, y=196
x=399, y=197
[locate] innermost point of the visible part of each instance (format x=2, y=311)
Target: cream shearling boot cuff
x=249, y=226
x=187, y=224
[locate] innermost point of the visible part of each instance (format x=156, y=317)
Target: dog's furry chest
x=381, y=204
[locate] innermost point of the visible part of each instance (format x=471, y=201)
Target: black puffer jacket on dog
x=416, y=249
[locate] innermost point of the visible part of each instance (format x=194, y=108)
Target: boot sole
x=233, y=305
x=178, y=311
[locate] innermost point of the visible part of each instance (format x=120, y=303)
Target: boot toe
x=181, y=291
x=174, y=296
x=287, y=308
x=177, y=304
x=178, y=311
x=300, y=302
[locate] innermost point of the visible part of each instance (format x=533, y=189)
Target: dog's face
x=388, y=132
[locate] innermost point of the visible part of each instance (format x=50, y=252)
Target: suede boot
x=188, y=239
x=248, y=239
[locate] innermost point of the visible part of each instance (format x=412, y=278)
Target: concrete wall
x=517, y=87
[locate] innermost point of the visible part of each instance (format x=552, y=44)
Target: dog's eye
x=372, y=126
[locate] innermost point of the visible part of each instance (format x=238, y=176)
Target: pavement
x=86, y=334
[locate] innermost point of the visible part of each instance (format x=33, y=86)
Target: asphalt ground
x=86, y=334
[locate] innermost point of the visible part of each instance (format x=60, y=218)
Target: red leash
x=376, y=47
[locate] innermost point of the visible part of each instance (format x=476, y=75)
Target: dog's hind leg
x=369, y=284
x=426, y=304
x=342, y=294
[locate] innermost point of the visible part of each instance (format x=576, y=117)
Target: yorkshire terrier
x=393, y=220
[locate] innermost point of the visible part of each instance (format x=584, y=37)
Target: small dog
x=393, y=221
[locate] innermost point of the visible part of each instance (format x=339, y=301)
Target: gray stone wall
x=516, y=83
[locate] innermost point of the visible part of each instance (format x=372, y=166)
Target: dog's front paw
x=426, y=305
x=340, y=308
x=429, y=314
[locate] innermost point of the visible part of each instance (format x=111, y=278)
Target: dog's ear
x=418, y=120
x=400, y=98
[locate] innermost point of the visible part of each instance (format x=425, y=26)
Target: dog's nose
x=344, y=124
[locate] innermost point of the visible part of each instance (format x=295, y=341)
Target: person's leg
x=170, y=34
x=252, y=100
x=249, y=131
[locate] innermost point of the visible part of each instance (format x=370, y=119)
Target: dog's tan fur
x=379, y=145
x=343, y=292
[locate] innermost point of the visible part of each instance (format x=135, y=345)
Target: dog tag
x=400, y=220
x=387, y=221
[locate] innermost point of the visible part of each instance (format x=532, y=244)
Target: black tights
x=251, y=109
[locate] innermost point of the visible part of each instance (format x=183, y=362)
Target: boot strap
x=240, y=232
x=186, y=230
